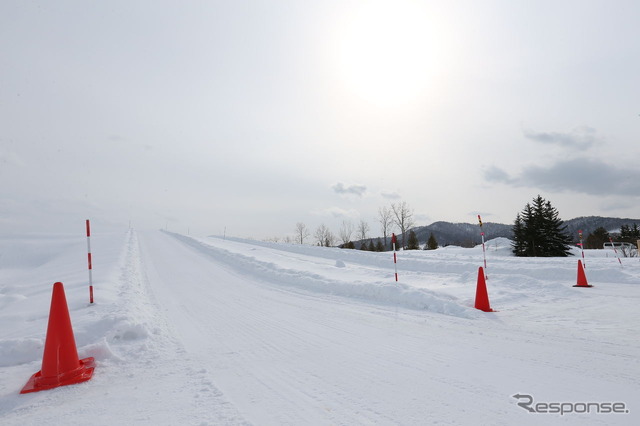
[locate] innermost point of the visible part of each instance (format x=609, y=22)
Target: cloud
x=581, y=175
x=390, y=195
x=358, y=190
x=496, y=174
x=581, y=137
x=338, y=212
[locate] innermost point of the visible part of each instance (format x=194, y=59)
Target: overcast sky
x=255, y=115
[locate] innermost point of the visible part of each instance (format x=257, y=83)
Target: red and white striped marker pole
x=395, y=260
x=89, y=259
x=584, y=264
x=484, y=255
x=614, y=249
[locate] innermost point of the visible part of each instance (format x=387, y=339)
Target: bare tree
x=346, y=231
x=320, y=233
x=324, y=237
x=628, y=250
x=403, y=218
x=329, y=239
x=301, y=232
x=363, y=229
x=385, y=217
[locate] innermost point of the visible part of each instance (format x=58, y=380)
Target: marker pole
x=584, y=264
x=614, y=249
x=395, y=260
x=484, y=254
x=89, y=259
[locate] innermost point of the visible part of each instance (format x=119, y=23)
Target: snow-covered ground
x=212, y=331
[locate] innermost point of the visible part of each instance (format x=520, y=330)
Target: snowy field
x=212, y=331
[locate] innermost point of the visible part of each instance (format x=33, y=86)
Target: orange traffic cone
x=60, y=363
x=582, y=278
x=482, y=298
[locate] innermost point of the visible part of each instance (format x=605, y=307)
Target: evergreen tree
x=629, y=234
x=371, y=247
x=379, y=245
x=412, y=242
x=538, y=231
x=597, y=238
x=349, y=245
x=559, y=244
x=432, y=243
x=518, y=245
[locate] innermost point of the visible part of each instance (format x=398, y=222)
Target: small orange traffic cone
x=582, y=278
x=482, y=298
x=60, y=363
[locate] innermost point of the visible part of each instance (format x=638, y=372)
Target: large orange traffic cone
x=582, y=278
x=60, y=363
x=482, y=298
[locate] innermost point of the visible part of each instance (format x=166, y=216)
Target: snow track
x=286, y=351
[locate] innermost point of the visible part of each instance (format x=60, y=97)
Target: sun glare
x=385, y=53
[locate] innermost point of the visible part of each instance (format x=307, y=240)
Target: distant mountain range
x=468, y=235
x=460, y=234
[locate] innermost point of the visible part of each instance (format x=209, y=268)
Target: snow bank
x=316, y=280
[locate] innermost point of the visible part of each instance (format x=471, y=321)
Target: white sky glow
x=248, y=115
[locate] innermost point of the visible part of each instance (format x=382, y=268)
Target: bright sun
x=385, y=53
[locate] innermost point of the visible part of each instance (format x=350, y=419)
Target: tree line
x=397, y=216
x=537, y=231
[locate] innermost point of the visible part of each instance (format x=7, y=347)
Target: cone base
x=587, y=285
x=35, y=383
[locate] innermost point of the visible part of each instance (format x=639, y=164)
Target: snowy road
x=207, y=331
x=296, y=357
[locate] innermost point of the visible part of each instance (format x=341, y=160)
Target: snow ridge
x=380, y=292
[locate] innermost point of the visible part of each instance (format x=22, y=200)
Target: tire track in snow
x=145, y=346
x=249, y=352
x=347, y=365
x=293, y=358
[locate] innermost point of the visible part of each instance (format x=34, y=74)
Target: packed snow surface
x=220, y=331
